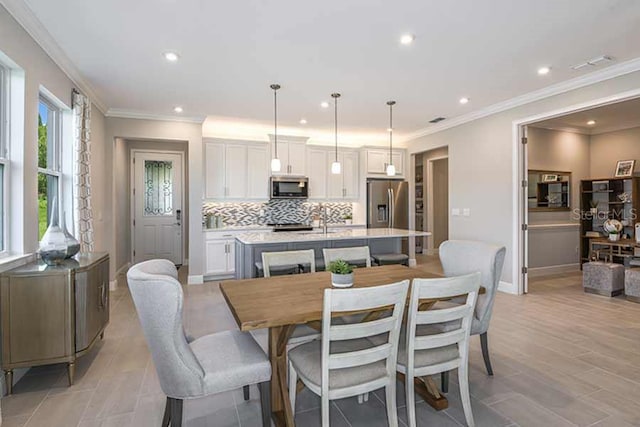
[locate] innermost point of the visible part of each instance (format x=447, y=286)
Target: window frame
x=56, y=138
x=5, y=74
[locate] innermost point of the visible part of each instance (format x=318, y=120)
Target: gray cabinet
x=53, y=314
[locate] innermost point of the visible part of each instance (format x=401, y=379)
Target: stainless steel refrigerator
x=387, y=203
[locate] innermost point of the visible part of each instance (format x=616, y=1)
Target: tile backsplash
x=283, y=211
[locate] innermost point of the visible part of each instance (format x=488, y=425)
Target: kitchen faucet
x=323, y=207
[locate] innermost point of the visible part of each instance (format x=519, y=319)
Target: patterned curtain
x=83, y=214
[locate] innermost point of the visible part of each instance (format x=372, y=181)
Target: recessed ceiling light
x=543, y=71
x=303, y=121
x=407, y=38
x=464, y=100
x=324, y=104
x=591, y=122
x=178, y=109
x=171, y=56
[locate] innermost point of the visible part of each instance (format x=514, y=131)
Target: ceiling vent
x=600, y=60
x=436, y=120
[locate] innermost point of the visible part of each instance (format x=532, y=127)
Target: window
x=49, y=171
x=4, y=163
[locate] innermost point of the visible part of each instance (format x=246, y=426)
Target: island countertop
x=259, y=238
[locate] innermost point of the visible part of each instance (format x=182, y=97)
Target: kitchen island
x=249, y=246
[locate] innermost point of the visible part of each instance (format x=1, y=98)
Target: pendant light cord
x=336, y=124
x=391, y=104
x=275, y=120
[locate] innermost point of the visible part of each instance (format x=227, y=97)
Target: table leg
x=280, y=403
x=428, y=390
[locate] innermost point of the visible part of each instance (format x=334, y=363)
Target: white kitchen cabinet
x=219, y=255
x=378, y=159
x=257, y=172
x=345, y=184
x=317, y=161
x=293, y=158
x=214, y=176
x=235, y=170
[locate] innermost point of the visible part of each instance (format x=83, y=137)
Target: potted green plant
x=593, y=204
x=341, y=274
x=348, y=219
x=614, y=236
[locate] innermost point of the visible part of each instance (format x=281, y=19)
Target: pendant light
x=335, y=166
x=275, y=162
x=391, y=169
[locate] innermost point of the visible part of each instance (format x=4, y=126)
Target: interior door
x=157, y=206
x=524, y=208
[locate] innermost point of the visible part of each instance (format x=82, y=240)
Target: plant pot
x=342, y=280
x=348, y=221
x=614, y=237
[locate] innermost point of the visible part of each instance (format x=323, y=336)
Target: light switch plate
x=466, y=212
x=455, y=211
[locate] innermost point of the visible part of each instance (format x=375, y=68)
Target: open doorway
x=432, y=196
x=573, y=185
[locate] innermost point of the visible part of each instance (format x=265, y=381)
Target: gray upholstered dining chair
x=461, y=257
x=189, y=370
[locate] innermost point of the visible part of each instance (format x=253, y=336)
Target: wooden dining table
x=282, y=302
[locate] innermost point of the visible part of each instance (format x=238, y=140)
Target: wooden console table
x=53, y=314
x=623, y=248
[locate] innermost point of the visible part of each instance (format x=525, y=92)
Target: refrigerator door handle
x=389, y=210
x=370, y=210
x=392, y=223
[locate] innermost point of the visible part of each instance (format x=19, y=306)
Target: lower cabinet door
x=216, y=252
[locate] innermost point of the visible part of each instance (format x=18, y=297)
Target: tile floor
x=561, y=358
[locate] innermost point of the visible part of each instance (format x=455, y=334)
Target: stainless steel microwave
x=289, y=187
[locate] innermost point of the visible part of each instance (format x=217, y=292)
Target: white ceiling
x=232, y=50
x=608, y=118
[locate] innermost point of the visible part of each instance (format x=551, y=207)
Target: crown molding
x=32, y=25
x=141, y=115
x=608, y=73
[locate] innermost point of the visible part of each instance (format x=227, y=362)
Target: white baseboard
x=413, y=262
x=508, y=288
x=196, y=279
x=554, y=269
x=113, y=285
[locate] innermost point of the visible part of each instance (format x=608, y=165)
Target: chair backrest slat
x=277, y=259
x=360, y=357
x=360, y=330
x=441, y=316
x=345, y=300
x=443, y=339
x=358, y=253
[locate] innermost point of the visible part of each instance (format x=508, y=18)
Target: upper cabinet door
x=317, y=173
x=236, y=171
x=258, y=163
x=350, y=173
x=214, y=176
x=297, y=159
x=398, y=162
x=377, y=161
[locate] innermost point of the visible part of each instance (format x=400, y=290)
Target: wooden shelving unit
x=420, y=205
x=618, y=198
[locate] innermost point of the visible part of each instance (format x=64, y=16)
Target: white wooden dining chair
x=301, y=333
x=345, y=363
x=425, y=349
x=355, y=255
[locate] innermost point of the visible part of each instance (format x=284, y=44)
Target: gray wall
x=481, y=165
x=118, y=129
x=608, y=148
